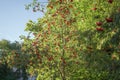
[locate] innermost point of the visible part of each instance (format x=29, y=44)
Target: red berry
x=99, y=29
x=71, y=0
x=64, y=61
x=50, y=58
x=98, y=23
x=110, y=1
x=94, y=8
x=77, y=62
x=51, y=7
x=109, y=19
x=60, y=0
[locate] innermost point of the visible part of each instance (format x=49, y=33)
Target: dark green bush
x=6, y=73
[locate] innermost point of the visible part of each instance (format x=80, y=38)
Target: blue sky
x=13, y=18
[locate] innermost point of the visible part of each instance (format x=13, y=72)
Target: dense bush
x=6, y=73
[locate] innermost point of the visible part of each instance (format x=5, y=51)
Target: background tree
x=11, y=57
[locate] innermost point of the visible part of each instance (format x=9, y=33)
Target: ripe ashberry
x=99, y=29
x=98, y=23
x=110, y=1
x=109, y=19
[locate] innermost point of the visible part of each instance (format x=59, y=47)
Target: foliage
x=76, y=39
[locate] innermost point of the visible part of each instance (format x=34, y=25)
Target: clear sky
x=13, y=18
